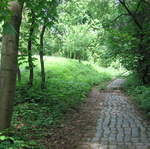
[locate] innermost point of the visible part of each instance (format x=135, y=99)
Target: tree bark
x=31, y=75
x=41, y=53
x=8, y=68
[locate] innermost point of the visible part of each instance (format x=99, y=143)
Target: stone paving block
x=107, y=132
x=104, y=140
x=112, y=139
x=133, y=125
x=122, y=146
x=128, y=143
x=121, y=132
x=113, y=129
x=112, y=124
x=142, y=147
x=114, y=132
x=144, y=140
x=127, y=131
x=113, y=147
x=125, y=125
x=99, y=132
x=127, y=138
x=120, y=138
x=131, y=147
x=135, y=140
x=139, y=144
x=135, y=132
x=143, y=132
x=103, y=147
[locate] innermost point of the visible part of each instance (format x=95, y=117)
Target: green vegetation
x=108, y=33
x=139, y=92
x=68, y=84
x=16, y=143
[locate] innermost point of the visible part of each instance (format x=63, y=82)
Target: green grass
x=68, y=83
x=138, y=92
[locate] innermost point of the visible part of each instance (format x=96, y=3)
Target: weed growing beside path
x=139, y=92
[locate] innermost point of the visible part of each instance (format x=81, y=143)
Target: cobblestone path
x=119, y=126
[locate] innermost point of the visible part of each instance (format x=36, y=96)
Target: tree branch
x=138, y=6
x=131, y=14
x=125, y=14
x=147, y=2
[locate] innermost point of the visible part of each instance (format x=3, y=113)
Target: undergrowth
x=139, y=92
x=68, y=82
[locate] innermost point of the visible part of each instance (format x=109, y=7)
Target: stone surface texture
x=119, y=125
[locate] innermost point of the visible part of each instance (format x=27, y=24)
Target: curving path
x=119, y=126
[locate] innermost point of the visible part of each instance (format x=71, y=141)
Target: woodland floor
x=107, y=120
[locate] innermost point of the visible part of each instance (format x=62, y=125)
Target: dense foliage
x=138, y=92
x=128, y=36
x=109, y=33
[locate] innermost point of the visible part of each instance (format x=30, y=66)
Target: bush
x=139, y=92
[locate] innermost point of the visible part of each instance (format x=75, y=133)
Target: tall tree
x=41, y=53
x=47, y=17
x=140, y=17
x=30, y=40
x=8, y=68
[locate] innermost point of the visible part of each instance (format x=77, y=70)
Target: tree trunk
x=19, y=74
x=31, y=75
x=8, y=68
x=41, y=53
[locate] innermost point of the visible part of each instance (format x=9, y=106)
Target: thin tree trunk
x=8, y=68
x=41, y=53
x=19, y=74
x=31, y=75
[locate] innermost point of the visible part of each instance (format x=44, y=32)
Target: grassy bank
x=68, y=83
x=139, y=93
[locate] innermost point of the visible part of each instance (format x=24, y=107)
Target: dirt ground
x=78, y=127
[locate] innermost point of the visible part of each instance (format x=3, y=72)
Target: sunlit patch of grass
x=67, y=84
